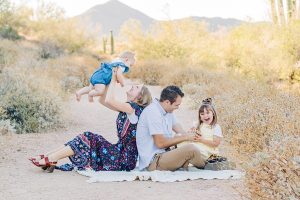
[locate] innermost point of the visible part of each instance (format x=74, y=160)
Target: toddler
x=102, y=76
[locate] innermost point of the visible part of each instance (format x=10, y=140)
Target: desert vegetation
x=251, y=71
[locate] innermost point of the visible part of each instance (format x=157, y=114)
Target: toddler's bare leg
x=98, y=90
x=84, y=90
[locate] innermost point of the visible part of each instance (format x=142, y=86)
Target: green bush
x=28, y=107
x=7, y=32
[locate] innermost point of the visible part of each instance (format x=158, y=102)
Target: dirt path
x=19, y=179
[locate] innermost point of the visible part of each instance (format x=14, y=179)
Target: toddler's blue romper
x=104, y=73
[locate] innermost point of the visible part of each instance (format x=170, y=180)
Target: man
x=154, y=136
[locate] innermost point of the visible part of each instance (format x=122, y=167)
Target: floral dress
x=92, y=151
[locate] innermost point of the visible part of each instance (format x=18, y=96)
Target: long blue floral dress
x=92, y=151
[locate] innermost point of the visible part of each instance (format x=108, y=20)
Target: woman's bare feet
x=47, y=161
x=37, y=158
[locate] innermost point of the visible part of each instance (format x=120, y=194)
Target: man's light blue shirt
x=154, y=120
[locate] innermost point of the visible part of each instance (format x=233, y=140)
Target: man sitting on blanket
x=155, y=139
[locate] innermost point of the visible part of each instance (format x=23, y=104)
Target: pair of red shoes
x=48, y=166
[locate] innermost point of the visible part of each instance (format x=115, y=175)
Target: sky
x=250, y=10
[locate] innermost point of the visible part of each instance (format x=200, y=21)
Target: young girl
x=210, y=132
x=102, y=76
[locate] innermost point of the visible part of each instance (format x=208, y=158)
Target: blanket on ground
x=159, y=176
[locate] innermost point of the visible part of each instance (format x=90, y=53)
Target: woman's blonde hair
x=144, y=98
x=207, y=105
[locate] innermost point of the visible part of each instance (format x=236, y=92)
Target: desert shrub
x=6, y=127
x=275, y=173
x=8, y=53
x=150, y=72
x=164, y=40
x=60, y=36
x=181, y=76
x=295, y=75
x=7, y=32
x=71, y=83
x=29, y=107
x=75, y=73
x=49, y=50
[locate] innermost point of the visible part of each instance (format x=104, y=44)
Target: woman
x=89, y=150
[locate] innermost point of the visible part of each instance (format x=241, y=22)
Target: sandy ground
x=19, y=179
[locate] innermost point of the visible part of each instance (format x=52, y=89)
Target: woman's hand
x=114, y=74
x=110, y=99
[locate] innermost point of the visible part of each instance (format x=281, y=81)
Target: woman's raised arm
x=110, y=99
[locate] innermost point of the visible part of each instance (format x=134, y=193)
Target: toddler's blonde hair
x=128, y=55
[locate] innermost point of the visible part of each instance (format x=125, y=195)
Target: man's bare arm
x=177, y=128
x=162, y=142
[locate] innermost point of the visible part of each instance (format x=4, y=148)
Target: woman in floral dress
x=92, y=151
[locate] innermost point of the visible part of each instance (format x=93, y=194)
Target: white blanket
x=159, y=176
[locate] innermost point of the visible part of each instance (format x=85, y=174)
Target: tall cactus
x=112, y=47
x=291, y=8
x=273, y=12
x=298, y=11
x=104, y=43
x=281, y=12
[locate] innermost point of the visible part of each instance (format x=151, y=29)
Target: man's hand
x=192, y=130
x=190, y=137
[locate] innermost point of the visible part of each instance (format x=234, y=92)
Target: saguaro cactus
x=104, y=43
x=281, y=12
x=112, y=48
x=273, y=11
x=291, y=8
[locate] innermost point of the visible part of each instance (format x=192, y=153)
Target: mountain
x=112, y=14
x=215, y=23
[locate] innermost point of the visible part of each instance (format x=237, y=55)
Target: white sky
x=255, y=10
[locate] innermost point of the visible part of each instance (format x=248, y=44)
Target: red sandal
x=34, y=159
x=48, y=163
x=48, y=166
